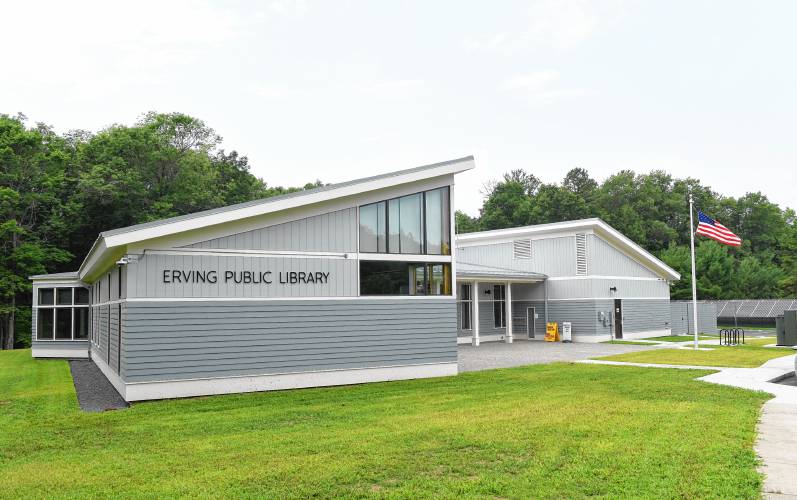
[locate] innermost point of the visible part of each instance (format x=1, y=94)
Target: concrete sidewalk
x=777, y=429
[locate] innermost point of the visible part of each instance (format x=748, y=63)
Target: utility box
x=790, y=328
x=780, y=330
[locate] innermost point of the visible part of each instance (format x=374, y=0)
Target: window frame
x=55, y=307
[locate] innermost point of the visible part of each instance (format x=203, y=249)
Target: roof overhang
x=613, y=236
x=477, y=272
x=111, y=245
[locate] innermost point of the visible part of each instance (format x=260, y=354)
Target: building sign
x=244, y=277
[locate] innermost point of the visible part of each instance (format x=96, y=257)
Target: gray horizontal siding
x=178, y=340
x=146, y=276
x=645, y=315
x=331, y=232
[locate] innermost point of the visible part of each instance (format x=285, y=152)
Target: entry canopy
x=467, y=271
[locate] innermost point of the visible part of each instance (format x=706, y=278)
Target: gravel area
x=94, y=392
x=528, y=352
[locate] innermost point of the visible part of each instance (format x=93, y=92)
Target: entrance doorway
x=531, y=323
x=618, y=318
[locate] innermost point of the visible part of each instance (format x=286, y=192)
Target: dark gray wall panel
x=179, y=340
x=681, y=317
x=332, y=232
x=645, y=315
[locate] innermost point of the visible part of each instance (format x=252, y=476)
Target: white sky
x=336, y=90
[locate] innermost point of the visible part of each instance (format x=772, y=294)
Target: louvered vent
x=521, y=249
x=581, y=254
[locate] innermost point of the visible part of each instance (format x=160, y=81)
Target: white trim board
x=597, y=276
x=600, y=298
x=141, y=391
x=275, y=299
x=60, y=351
x=250, y=253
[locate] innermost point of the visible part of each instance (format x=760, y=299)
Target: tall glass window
x=438, y=229
x=62, y=313
x=404, y=278
x=372, y=228
x=411, y=224
x=417, y=224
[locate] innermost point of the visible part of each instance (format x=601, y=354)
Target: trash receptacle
x=780, y=330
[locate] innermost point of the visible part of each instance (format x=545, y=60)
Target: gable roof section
x=116, y=238
x=599, y=227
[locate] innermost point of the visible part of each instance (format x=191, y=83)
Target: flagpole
x=694, y=279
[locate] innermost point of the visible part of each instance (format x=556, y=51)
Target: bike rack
x=731, y=336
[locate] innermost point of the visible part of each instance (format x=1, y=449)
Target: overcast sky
x=336, y=90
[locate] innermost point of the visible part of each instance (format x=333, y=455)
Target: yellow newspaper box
x=552, y=332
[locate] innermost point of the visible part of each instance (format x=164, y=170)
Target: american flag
x=716, y=231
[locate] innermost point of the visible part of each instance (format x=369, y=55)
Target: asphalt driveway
x=501, y=355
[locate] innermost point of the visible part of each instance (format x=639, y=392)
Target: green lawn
x=760, y=341
x=743, y=356
x=544, y=431
x=680, y=338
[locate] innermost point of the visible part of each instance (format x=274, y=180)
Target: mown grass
x=543, y=431
x=759, y=341
x=680, y=338
x=742, y=356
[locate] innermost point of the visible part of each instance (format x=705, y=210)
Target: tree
x=578, y=181
x=465, y=223
x=31, y=212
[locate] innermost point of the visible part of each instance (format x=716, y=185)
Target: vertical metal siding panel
x=608, y=261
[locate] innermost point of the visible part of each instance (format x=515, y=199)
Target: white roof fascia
x=252, y=211
x=620, y=240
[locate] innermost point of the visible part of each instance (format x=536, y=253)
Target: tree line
x=59, y=191
x=652, y=210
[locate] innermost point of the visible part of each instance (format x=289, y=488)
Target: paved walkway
x=777, y=429
x=94, y=392
x=529, y=352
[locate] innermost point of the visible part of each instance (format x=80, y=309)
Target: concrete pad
x=491, y=355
